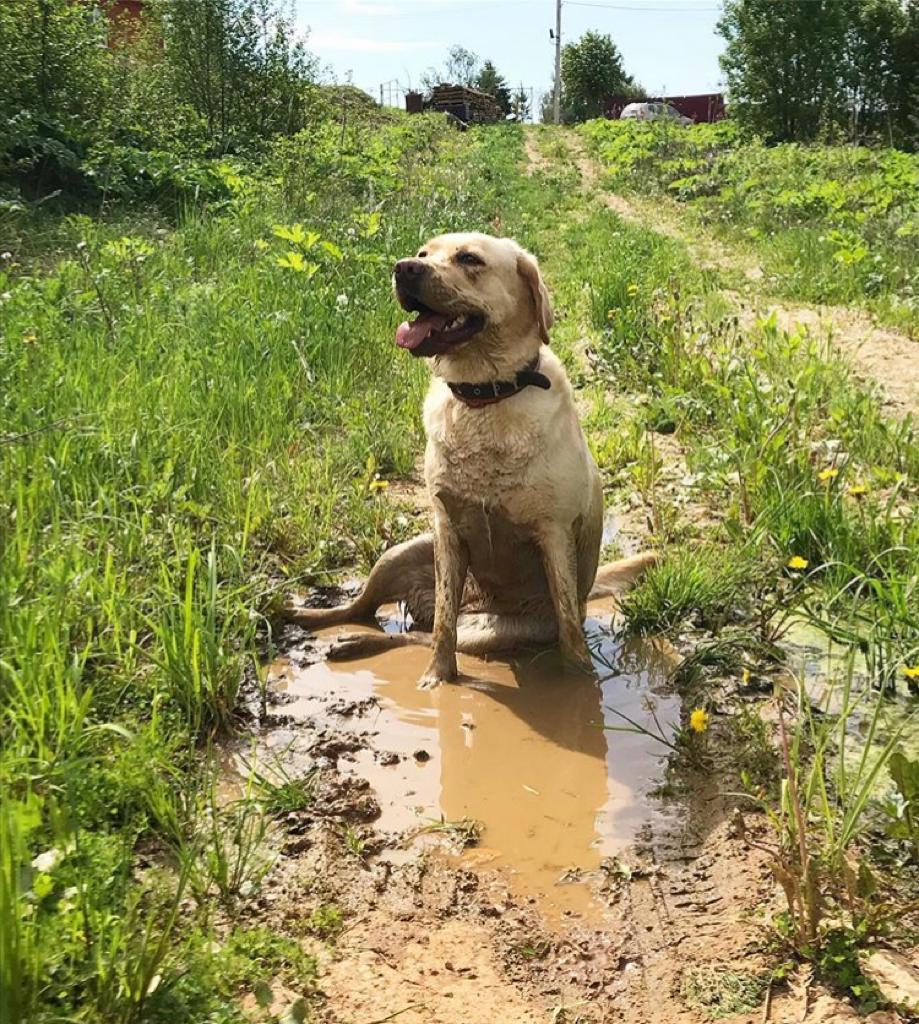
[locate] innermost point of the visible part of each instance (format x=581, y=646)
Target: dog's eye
x=422, y=254
x=470, y=259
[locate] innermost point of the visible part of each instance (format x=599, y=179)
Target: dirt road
x=879, y=356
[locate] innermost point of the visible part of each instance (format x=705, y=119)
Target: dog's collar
x=493, y=391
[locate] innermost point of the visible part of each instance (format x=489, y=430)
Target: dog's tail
x=615, y=577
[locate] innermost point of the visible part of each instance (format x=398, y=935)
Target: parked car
x=653, y=110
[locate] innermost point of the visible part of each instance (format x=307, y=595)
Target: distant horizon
x=670, y=47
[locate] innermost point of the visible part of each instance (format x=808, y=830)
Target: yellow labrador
x=516, y=494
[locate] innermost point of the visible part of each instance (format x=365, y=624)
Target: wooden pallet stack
x=469, y=105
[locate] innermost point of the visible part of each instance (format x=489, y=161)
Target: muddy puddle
x=530, y=749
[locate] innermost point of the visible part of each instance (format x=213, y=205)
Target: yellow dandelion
x=698, y=720
x=378, y=484
x=610, y=313
x=29, y=339
x=745, y=677
x=857, y=490
x=632, y=289
x=830, y=473
x=911, y=671
x=797, y=562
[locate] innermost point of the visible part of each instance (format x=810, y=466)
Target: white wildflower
x=48, y=861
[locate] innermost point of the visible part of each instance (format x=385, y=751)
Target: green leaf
x=905, y=775
x=295, y=1013
x=293, y=261
x=294, y=233
x=263, y=994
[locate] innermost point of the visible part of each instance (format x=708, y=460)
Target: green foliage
x=236, y=64
x=903, y=807
x=325, y=922
x=495, y=84
x=720, y=991
x=703, y=585
x=97, y=113
x=831, y=223
x=462, y=67
x=592, y=69
x=796, y=70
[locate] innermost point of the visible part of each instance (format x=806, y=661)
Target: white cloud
x=320, y=41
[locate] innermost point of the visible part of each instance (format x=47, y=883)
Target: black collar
x=492, y=391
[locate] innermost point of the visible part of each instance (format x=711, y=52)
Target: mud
x=587, y=895
x=529, y=758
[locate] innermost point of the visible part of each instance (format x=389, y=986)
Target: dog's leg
x=481, y=633
x=404, y=573
x=451, y=561
x=559, y=554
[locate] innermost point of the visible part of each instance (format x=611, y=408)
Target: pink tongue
x=411, y=335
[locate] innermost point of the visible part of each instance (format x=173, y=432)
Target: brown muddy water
x=531, y=749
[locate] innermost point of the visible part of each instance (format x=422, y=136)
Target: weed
x=703, y=585
x=822, y=813
x=721, y=991
x=325, y=922
x=461, y=833
x=279, y=793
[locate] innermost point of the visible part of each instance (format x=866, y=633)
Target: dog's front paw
x=436, y=673
x=578, y=657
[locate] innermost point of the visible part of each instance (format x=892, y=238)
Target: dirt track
x=878, y=355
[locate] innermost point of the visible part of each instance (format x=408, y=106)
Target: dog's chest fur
x=488, y=456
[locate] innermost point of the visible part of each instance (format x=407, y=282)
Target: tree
x=460, y=68
x=592, y=69
x=490, y=81
x=520, y=104
x=237, y=64
x=781, y=63
x=796, y=70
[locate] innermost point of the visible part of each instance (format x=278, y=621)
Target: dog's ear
x=528, y=269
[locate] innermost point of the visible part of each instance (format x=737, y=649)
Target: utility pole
x=556, y=98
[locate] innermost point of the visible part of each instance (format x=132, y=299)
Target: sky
x=669, y=46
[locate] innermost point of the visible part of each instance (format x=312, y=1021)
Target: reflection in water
x=519, y=746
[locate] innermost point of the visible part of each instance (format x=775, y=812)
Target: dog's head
x=471, y=290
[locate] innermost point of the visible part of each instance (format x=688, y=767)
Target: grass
x=187, y=416
x=196, y=416
x=834, y=224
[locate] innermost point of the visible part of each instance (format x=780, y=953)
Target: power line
x=658, y=10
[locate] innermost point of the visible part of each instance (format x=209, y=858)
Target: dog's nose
x=405, y=270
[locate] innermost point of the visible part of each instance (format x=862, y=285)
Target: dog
x=516, y=495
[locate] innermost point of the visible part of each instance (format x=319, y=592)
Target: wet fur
x=516, y=495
